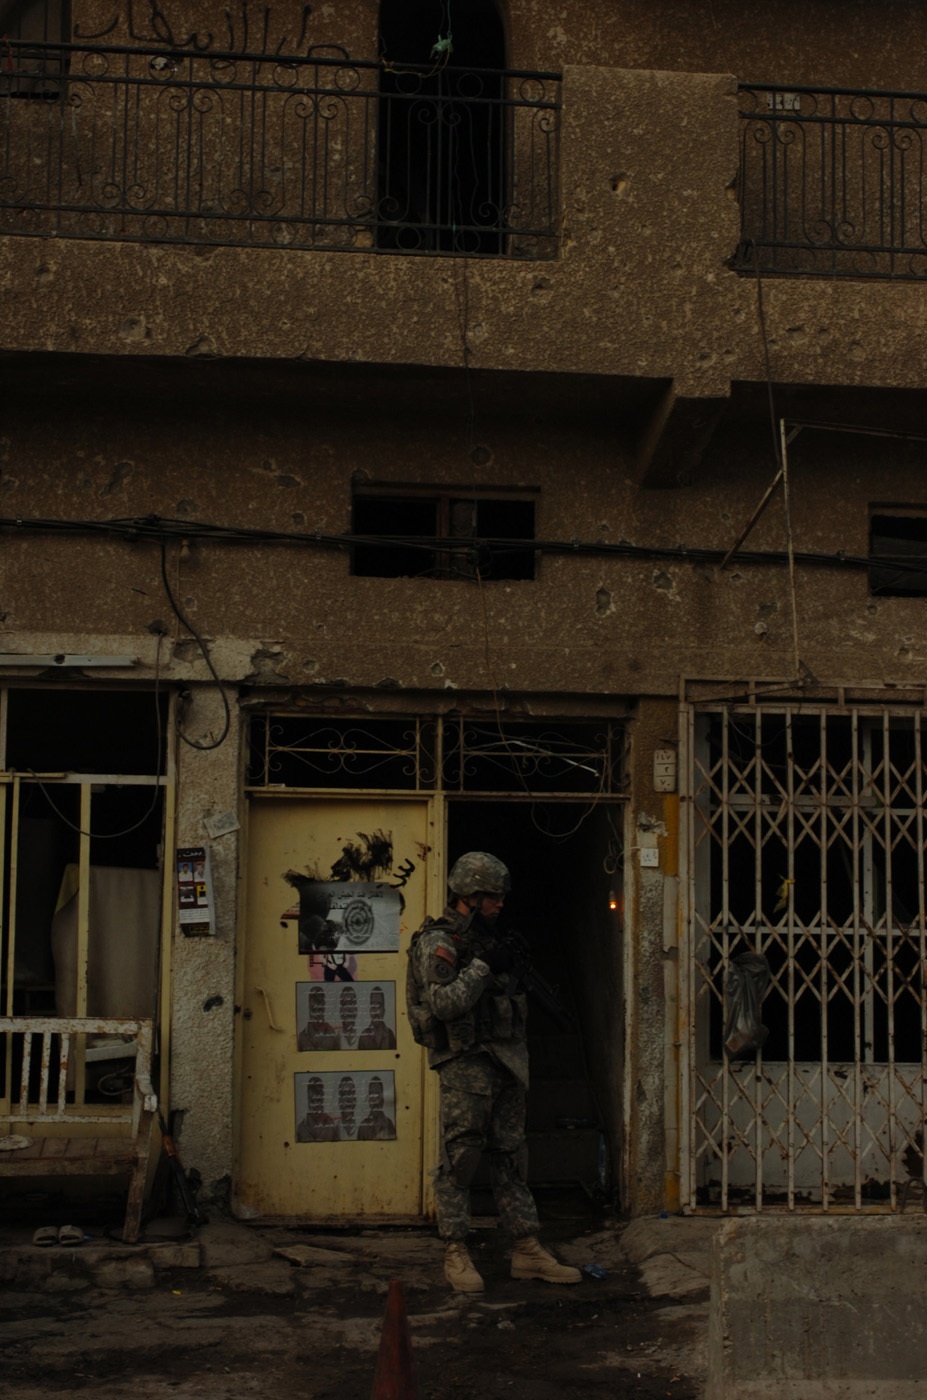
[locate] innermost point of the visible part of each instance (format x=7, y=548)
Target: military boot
x=531, y=1260
x=459, y=1270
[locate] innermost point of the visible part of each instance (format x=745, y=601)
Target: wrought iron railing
x=157, y=144
x=833, y=182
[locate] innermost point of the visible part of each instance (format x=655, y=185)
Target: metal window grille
x=34, y=36
x=72, y=801
x=832, y=182
x=549, y=759
x=35, y=21
x=805, y=843
x=307, y=752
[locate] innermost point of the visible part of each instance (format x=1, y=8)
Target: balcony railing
x=833, y=182
x=176, y=146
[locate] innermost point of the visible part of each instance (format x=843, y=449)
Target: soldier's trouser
x=482, y=1110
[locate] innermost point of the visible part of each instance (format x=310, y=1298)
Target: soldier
x=464, y=1007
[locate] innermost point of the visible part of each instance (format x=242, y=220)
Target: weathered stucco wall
x=838, y=43
x=203, y=1001
x=284, y=29
x=641, y=288
x=227, y=386
x=646, y=961
x=291, y=614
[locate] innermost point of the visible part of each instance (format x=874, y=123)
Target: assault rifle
x=524, y=977
x=535, y=986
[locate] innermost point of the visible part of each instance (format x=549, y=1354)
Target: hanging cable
x=791, y=553
x=162, y=530
x=227, y=724
x=515, y=758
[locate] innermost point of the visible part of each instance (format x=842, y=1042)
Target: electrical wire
x=227, y=723
x=163, y=531
x=507, y=743
x=441, y=51
x=780, y=457
x=793, y=591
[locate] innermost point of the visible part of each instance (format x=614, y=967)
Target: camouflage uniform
x=483, y=1067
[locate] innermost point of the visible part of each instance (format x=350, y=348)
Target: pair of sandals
x=50, y=1234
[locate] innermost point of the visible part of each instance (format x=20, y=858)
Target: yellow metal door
x=330, y=1118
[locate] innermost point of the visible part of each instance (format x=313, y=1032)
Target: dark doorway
x=88, y=765
x=441, y=156
x=564, y=860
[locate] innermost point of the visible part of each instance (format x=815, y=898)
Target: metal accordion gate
x=804, y=843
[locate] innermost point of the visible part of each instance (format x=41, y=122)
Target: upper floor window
x=413, y=533
x=29, y=30
x=442, y=133
x=898, y=552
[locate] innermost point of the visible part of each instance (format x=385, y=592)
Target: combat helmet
x=478, y=872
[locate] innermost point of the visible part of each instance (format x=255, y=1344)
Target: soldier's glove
x=498, y=958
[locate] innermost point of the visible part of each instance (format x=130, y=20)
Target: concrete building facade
x=475, y=425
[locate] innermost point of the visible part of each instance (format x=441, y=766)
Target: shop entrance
x=565, y=863
x=353, y=826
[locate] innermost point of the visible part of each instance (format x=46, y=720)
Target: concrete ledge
x=97, y=1265
x=819, y=1308
x=673, y=1253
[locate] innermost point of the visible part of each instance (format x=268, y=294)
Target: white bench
x=42, y=1099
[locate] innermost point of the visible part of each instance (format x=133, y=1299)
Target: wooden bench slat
x=78, y=1154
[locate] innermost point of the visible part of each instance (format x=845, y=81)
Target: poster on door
x=353, y=1016
x=353, y=1106
x=352, y=916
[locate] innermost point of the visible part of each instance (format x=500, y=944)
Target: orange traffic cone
x=394, y=1377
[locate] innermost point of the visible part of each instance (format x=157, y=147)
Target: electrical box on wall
x=664, y=770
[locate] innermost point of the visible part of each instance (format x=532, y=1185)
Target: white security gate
x=805, y=844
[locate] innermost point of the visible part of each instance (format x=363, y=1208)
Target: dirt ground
x=303, y=1313
x=282, y=1312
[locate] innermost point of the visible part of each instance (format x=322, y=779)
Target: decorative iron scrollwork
x=264, y=139
x=832, y=182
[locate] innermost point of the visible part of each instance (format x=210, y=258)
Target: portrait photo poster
x=346, y=1016
x=353, y=1106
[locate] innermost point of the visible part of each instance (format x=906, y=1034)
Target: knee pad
x=511, y=1164
x=463, y=1160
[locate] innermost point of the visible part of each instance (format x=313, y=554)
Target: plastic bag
x=744, y=987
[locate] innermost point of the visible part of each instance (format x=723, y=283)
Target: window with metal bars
x=442, y=127
x=460, y=756
x=84, y=794
x=29, y=30
x=807, y=846
x=804, y=876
